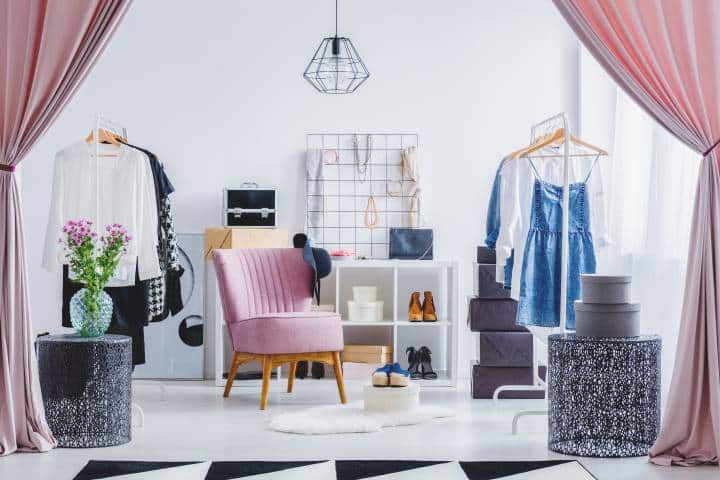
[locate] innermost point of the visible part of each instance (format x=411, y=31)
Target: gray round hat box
x=605, y=309
x=610, y=289
x=606, y=320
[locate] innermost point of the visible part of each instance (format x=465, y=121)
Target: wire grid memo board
x=338, y=190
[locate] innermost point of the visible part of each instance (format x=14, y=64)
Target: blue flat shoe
x=381, y=377
x=398, y=376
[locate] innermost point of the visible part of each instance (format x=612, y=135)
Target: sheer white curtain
x=650, y=179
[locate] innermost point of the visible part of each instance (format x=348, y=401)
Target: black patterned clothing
x=164, y=292
x=167, y=285
x=130, y=311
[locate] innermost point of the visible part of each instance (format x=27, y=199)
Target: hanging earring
x=371, y=213
x=394, y=188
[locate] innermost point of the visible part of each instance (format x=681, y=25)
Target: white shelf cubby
x=395, y=280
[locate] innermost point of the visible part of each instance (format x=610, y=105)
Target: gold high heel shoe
x=428, y=308
x=415, y=312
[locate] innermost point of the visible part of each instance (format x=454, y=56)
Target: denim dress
x=539, y=302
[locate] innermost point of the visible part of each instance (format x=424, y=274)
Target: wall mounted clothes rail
x=356, y=190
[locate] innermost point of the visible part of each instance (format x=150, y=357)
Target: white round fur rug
x=351, y=418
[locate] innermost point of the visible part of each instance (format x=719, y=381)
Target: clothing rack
x=102, y=122
x=538, y=383
x=336, y=204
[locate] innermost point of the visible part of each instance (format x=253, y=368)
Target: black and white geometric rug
x=335, y=470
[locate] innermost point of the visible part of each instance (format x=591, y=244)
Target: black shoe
x=302, y=369
x=425, y=359
x=413, y=363
x=318, y=370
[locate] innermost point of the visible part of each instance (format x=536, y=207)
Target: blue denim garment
x=492, y=223
x=539, y=302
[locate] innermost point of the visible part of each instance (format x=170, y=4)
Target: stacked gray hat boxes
x=504, y=349
x=605, y=309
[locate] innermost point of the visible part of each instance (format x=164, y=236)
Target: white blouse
x=516, y=192
x=106, y=190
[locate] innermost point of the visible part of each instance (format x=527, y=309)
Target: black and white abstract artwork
x=174, y=346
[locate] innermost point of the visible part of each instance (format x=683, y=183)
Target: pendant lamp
x=336, y=66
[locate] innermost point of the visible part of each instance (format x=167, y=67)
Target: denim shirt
x=492, y=223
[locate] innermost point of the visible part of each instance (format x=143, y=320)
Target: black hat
x=317, y=258
x=323, y=262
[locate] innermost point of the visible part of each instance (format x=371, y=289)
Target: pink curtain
x=47, y=48
x=666, y=55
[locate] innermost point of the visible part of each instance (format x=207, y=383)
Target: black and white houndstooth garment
x=169, y=264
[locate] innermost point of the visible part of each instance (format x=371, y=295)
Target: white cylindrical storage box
x=364, y=294
x=608, y=289
x=391, y=399
x=365, y=311
x=603, y=320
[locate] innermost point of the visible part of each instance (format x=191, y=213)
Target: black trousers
x=130, y=311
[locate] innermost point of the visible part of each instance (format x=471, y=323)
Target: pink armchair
x=266, y=300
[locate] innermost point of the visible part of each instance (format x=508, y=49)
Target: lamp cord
x=336, y=17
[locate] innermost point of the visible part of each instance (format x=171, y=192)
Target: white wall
x=215, y=89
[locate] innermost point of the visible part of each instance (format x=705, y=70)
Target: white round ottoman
x=391, y=399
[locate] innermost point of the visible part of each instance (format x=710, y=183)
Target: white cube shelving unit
x=395, y=280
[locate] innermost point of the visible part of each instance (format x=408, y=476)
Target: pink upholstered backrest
x=262, y=280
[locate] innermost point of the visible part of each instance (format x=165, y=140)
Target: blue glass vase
x=90, y=317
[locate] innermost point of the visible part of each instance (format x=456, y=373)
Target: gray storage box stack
x=605, y=309
x=505, y=350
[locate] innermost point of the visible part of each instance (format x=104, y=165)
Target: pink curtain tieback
x=707, y=152
x=7, y=168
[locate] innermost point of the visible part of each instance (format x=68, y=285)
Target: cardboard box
x=505, y=349
x=493, y=315
x=227, y=237
x=373, y=354
x=486, y=379
x=359, y=371
x=485, y=285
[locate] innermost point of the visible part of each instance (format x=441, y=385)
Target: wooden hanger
x=541, y=142
x=557, y=137
x=106, y=137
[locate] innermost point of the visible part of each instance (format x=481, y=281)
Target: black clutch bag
x=411, y=243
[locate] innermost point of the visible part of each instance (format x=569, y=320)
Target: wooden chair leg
x=291, y=376
x=267, y=372
x=337, y=366
x=231, y=374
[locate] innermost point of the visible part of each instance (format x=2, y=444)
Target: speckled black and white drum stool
x=603, y=394
x=86, y=388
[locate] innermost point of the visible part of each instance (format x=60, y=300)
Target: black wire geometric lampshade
x=336, y=67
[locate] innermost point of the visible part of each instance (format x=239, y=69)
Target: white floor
x=196, y=423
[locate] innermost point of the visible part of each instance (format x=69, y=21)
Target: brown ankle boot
x=428, y=308
x=415, y=313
